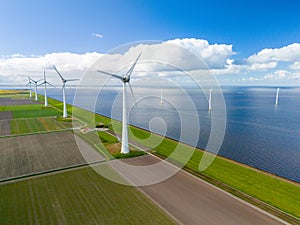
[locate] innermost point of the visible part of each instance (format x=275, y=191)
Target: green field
x=76, y=197
x=28, y=111
x=35, y=125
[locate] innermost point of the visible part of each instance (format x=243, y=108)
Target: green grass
x=76, y=197
x=131, y=154
x=34, y=125
x=107, y=138
x=28, y=111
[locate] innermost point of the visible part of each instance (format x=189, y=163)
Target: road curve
x=193, y=201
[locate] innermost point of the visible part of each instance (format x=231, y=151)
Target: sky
x=242, y=42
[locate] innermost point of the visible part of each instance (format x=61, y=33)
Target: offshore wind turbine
x=277, y=96
x=64, y=81
x=45, y=88
x=210, y=99
x=29, y=83
x=35, y=88
x=125, y=79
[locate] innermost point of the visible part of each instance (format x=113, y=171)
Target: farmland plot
x=35, y=125
x=30, y=154
x=76, y=197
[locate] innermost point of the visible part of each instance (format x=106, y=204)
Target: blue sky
x=35, y=27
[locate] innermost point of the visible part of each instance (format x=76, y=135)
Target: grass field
x=14, y=93
x=28, y=111
x=76, y=197
x=36, y=125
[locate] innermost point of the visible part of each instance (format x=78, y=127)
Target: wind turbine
x=29, y=83
x=209, y=100
x=45, y=88
x=64, y=81
x=161, y=98
x=125, y=79
x=35, y=88
x=277, y=96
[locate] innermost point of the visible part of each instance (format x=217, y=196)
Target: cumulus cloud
x=289, y=53
x=17, y=68
x=97, y=35
x=214, y=55
x=262, y=66
x=196, y=56
x=295, y=66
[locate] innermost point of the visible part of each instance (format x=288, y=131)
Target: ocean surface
x=258, y=133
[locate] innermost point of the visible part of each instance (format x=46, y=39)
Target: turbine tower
x=64, y=81
x=35, y=88
x=277, y=96
x=209, y=100
x=125, y=79
x=29, y=83
x=45, y=88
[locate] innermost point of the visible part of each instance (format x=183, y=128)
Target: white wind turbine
x=210, y=99
x=29, y=83
x=161, y=97
x=64, y=81
x=277, y=96
x=45, y=88
x=35, y=88
x=125, y=79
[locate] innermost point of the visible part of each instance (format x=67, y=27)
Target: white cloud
x=289, y=53
x=196, y=56
x=282, y=75
x=97, y=35
x=262, y=66
x=17, y=68
x=214, y=55
x=295, y=66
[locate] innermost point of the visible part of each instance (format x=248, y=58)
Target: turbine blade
x=50, y=84
x=44, y=76
x=110, y=74
x=54, y=67
x=132, y=93
x=42, y=83
x=133, y=65
x=72, y=79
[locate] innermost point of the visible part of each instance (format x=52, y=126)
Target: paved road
x=193, y=201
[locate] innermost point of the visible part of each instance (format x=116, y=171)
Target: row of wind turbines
x=45, y=83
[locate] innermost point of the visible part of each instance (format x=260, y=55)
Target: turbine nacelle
x=126, y=79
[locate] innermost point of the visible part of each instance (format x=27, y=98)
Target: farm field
x=28, y=111
x=24, y=155
x=78, y=196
